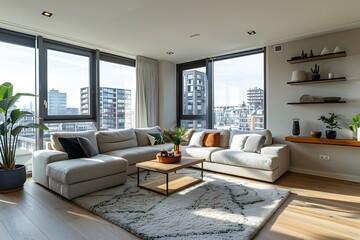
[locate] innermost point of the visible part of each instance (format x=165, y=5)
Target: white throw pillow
x=197, y=139
x=238, y=141
x=254, y=143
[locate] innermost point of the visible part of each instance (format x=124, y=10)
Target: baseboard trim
x=345, y=177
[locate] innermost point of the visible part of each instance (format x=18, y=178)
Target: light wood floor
x=318, y=208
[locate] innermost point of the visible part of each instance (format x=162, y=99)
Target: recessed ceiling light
x=47, y=14
x=252, y=32
x=170, y=53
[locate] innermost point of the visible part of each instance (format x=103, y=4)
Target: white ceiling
x=153, y=27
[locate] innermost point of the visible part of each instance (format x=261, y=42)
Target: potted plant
x=12, y=176
x=331, y=124
x=355, y=125
x=315, y=72
x=176, y=137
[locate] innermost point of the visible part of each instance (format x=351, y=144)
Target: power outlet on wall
x=324, y=157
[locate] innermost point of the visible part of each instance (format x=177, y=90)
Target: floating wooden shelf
x=341, y=142
x=317, y=58
x=329, y=80
x=298, y=103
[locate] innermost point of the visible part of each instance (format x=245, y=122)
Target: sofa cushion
x=238, y=141
x=197, y=139
x=200, y=152
x=55, y=144
x=254, y=143
x=141, y=134
x=245, y=159
x=139, y=154
x=211, y=140
x=267, y=133
x=87, y=147
x=116, y=139
x=84, y=169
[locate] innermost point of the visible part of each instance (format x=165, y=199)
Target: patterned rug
x=221, y=207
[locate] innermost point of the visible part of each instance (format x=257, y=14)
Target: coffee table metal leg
x=167, y=184
x=138, y=176
x=202, y=170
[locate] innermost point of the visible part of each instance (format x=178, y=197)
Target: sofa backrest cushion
x=87, y=146
x=254, y=143
x=224, y=136
x=111, y=140
x=141, y=135
x=211, y=140
x=56, y=145
x=266, y=132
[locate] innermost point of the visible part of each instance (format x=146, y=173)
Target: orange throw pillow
x=211, y=140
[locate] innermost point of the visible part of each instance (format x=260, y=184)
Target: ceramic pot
x=330, y=134
x=12, y=180
x=315, y=76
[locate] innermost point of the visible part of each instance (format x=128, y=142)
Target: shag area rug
x=221, y=207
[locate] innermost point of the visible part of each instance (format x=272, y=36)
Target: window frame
x=46, y=44
x=209, y=117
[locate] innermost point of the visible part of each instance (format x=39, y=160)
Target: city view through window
x=238, y=94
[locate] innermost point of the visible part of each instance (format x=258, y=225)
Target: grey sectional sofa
x=268, y=164
x=120, y=150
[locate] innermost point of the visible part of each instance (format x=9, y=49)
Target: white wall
x=344, y=161
x=167, y=94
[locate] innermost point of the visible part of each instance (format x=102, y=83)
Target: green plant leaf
x=16, y=115
x=6, y=90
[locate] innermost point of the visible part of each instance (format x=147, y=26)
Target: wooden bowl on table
x=168, y=160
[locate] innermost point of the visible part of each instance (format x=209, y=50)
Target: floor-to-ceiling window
x=17, y=65
x=239, y=91
x=117, y=92
x=223, y=92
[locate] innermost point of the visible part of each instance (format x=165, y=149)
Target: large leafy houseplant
x=10, y=128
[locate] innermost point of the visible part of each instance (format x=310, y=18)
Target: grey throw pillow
x=197, y=139
x=254, y=143
x=88, y=148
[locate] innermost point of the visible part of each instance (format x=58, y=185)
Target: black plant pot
x=315, y=76
x=12, y=180
x=330, y=134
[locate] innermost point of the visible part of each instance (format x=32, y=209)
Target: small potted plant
x=176, y=137
x=355, y=125
x=12, y=176
x=315, y=72
x=331, y=124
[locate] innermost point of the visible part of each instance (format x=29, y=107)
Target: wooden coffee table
x=174, y=182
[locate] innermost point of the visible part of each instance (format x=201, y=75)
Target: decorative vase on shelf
x=296, y=127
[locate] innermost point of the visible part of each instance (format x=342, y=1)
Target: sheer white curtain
x=147, y=92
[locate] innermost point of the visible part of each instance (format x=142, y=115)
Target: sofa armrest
x=282, y=152
x=41, y=159
x=274, y=149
